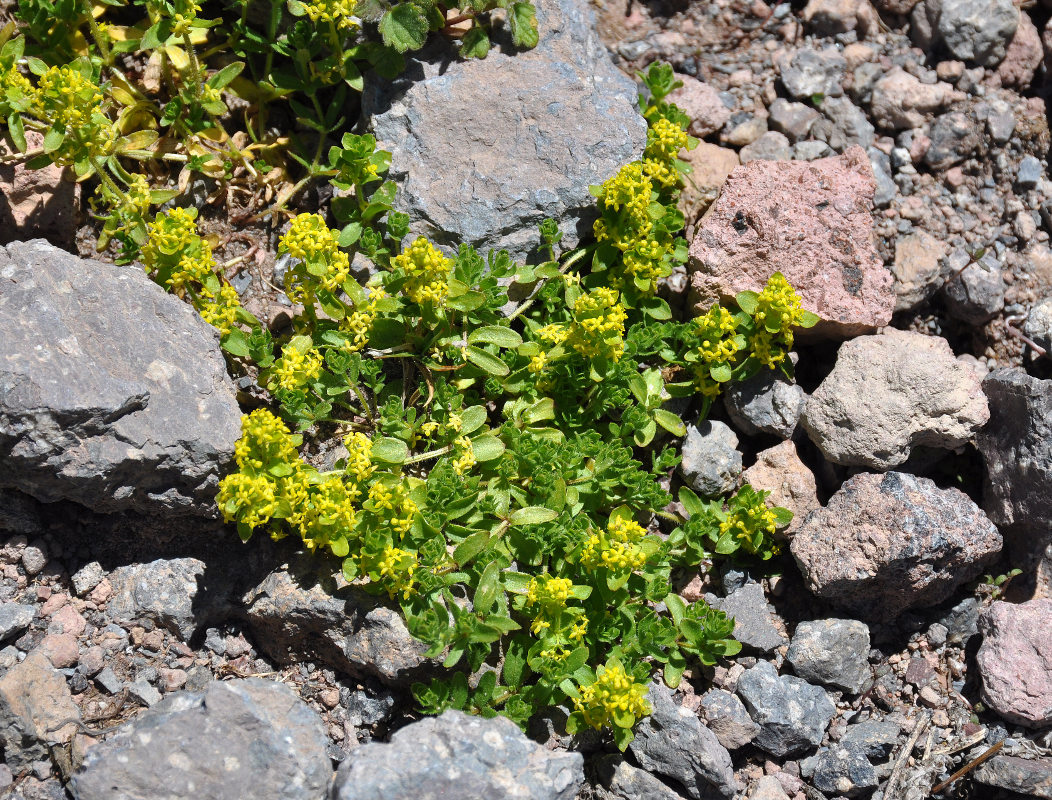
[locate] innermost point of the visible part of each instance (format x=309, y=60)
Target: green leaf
x=495, y=334
x=471, y=419
x=226, y=74
x=468, y=301
x=676, y=607
x=466, y=551
x=475, y=43
x=236, y=343
x=532, y=515
x=655, y=308
x=515, y=661
x=53, y=140
x=747, y=301
x=523, y=19
x=486, y=361
x=404, y=27
x=390, y=451
x=721, y=372
x=18, y=131
x=670, y=422
x=350, y=234
x=486, y=593
x=673, y=671
x=808, y=319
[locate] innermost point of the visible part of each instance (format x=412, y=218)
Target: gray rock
x=14, y=618
x=520, y=136
x=457, y=755
x=976, y=294
x=365, y=709
x=1038, y=325
x=241, y=738
x=295, y=617
x=163, y=591
x=151, y=420
x=631, y=783
x=806, y=72
x=673, y=743
x=875, y=738
x=977, y=30
x=766, y=403
x=924, y=19
x=792, y=119
x=743, y=129
x=900, y=542
x=811, y=150
x=35, y=709
x=726, y=716
x=844, y=770
x=793, y=715
x=1001, y=125
x=108, y=681
x=1030, y=777
x=889, y=393
x=845, y=124
x=87, y=578
x=711, y=462
x=833, y=652
x=886, y=188
x=937, y=634
x=768, y=788
x=753, y=618
x=771, y=146
x=34, y=558
x=1029, y=174
x=954, y=137
x=144, y=693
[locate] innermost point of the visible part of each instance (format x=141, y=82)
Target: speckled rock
x=899, y=100
x=1038, y=325
x=710, y=462
x=163, y=591
x=520, y=135
x=977, y=31
x=237, y=739
x=918, y=268
x=35, y=709
x=702, y=104
x=1015, y=661
x=844, y=770
x=901, y=542
x=792, y=485
x=833, y=652
x=754, y=624
x=792, y=714
x=458, y=755
x=726, y=716
x=807, y=72
x=809, y=221
x=766, y=403
x=892, y=392
x=1031, y=777
x=631, y=783
x=1023, y=56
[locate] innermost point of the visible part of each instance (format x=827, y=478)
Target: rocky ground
x=888, y=157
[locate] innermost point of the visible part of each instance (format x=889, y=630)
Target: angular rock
x=792, y=714
x=976, y=293
x=771, y=146
x=918, y=268
x=150, y=419
x=631, y=783
x=1029, y=173
x=457, y=755
x=977, y=30
x=809, y=221
x=900, y=542
x=766, y=403
x=792, y=485
x=1023, y=56
x=87, y=578
x=892, y=392
x=702, y=104
x=725, y=716
x=831, y=17
x=1024, y=776
x=711, y=165
x=954, y=136
x=710, y=462
x=1038, y=325
x=875, y=738
x=672, y=742
x=768, y=788
x=844, y=770
x=1015, y=661
x=237, y=739
x=900, y=101
x=792, y=119
x=845, y=124
x=833, y=652
x=163, y=591
x=806, y=72
x=14, y=618
x=297, y=618
x=35, y=709
x=753, y=618
x=520, y=136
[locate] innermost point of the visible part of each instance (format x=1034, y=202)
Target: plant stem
x=441, y=451
x=529, y=301
x=98, y=35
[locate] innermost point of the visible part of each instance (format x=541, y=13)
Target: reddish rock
x=35, y=709
x=901, y=101
x=886, y=543
x=70, y=619
x=702, y=104
x=902, y=7
x=61, y=648
x=36, y=203
x=809, y=221
x=1015, y=661
x=1023, y=56
x=780, y=471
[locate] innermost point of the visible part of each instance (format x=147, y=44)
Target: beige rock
x=711, y=165
x=901, y=101
x=831, y=17
x=35, y=706
x=917, y=268
x=36, y=203
x=780, y=471
x=702, y=104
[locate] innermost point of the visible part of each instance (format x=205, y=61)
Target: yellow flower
x=427, y=271
x=360, y=321
x=613, y=692
x=317, y=247
x=265, y=440
x=466, y=459
x=295, y=369
x=396, y=567
x=221, y=311
x=248, y=499
x=359, y=461
x=338, y=12
x=598, y=329
x=617, y=548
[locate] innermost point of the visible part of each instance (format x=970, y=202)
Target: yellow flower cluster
x=466, y=455
x=184, y=15
x=360, y=321
x=598, y=329
x=311, y=241
x=172, y=233
x=264, y=440
x=778, y=303
x=617, y=548
x=359, y=465
x=339, y=12
x=629, y=193
x=13, y=84
x=664, y=141
x=253, y=496
x=394, y=506
x=613, y=693
x=548, y=592
x=427, y=272
x=295, y=369
x=742, y=522
x=221, y=311
x=396, y=567
x=68, y=100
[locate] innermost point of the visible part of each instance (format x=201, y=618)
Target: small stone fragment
x=1024, y=776
x=765, y=403
x=87, y=578
x=918, y=268
x=161, y=591
x=631, y=783
x=793, y=715
x=35, y=709
x=875, y=738
x=726, y=716
x=14, y=619
x=833, y=652
x=710, y=461
x=806, y=72
x=844, y=770
x=1015, y=661
x=702, y=104
x=977, y=31
x=753, y=619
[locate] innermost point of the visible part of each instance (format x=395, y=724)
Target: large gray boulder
x=978, y=31
x=483, y=151
x=237, y=739
x=457, y=755
x=113, y=393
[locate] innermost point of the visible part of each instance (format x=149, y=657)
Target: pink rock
x=702, y=104
x=53, y=604
x=61, y=649
x=36, y=203
x=1015, y=661
x=70, y=620
x=792, y=485
x=1023, y=56
x=809, y=221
